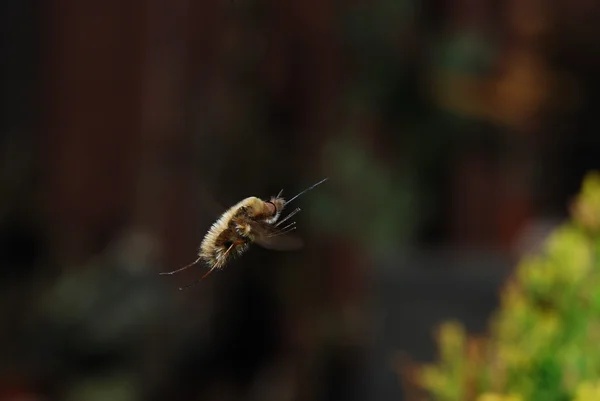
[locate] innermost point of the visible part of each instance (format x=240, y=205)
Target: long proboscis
x=306, y=190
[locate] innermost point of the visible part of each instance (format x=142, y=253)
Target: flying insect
x=250, y=221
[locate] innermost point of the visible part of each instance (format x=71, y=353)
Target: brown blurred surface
x=127, y=128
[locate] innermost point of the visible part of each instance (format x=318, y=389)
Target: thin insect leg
x=288, y=230
x=279, y=194
x=288, y=226
x=199, y=280
x=285, y=230
x=183, y=268
x=292, y=213
x=227, y=251
x=208, y=272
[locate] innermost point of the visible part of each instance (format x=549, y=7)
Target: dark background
x=454, y=134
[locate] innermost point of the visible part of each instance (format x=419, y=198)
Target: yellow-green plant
x=543, y=342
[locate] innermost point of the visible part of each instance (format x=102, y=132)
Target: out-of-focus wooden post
x=117, y=149
x=91, y=104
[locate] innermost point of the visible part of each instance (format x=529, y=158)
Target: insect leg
x=292, y=213
x=288, y=230
x=200, y=279
x=183, y=268
x=288, y=226
x=285, y=230
x=208, y=272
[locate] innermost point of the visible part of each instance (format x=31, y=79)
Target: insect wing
x=269, y=237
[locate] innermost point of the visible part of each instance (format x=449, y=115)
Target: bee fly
x=251, y=220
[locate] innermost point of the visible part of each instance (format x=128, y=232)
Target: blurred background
x=454, y=134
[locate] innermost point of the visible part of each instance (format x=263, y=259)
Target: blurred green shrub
x=543, y=343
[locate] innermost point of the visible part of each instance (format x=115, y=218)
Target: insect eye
x=228, y=244
x=274, y=210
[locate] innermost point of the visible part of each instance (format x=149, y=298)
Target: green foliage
x=544, y=341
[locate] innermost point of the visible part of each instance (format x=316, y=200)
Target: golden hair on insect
x=250, y=221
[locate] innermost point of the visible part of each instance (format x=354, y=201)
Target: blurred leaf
x=543, y=340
